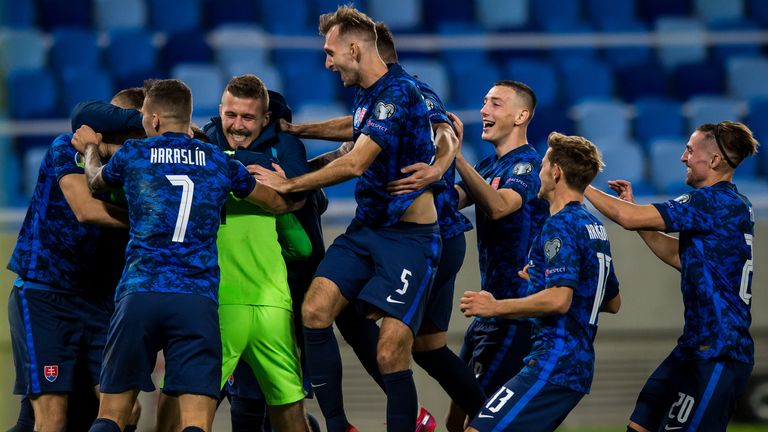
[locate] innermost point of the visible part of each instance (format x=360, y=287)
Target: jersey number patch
x=604, y=261
x=745, y=287
x=185, y=206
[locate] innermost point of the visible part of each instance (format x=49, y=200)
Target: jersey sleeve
x=388, y=121
x=113, y=172
x=522, y=178
x=66, y=160
x=437, y=112
x=242, y=182
x=561, y=255
x=105, y=118
x=294, y=241
x=688, y=212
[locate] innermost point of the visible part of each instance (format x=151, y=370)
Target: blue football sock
x=324, y=361
x=247, y=414
x=192, y=429
x=314, y=425
x=454, y=376
x=130, y=428
x=104, y=425
x=26, y=420
x=402, y=402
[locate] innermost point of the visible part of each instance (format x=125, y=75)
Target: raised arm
x=551, y=301
x=324, y=159
x=494, y=203
x=88, y=209
x=336, y=129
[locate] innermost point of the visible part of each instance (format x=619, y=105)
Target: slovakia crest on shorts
x=51, y=372
x=359, y=114
x=231, y=380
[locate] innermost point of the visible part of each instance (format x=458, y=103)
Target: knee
x=315, y=315
x=392, y=358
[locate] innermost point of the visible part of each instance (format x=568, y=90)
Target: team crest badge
x=51, y=372
x=359, y=114
x=430, y=103
x=522, y=168
x=384, y=110
x=684, y=198
x=552, y=247
x=231, y=380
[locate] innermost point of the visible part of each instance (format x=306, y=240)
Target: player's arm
x=421, y=174
x=611, y=305
x=88, y=209
x=105, y=117
x=352, y=164
x=86, y=138
x=494, y=203
x=271, y=201
x=324, y=159
x=336, y=129
x=551, y=301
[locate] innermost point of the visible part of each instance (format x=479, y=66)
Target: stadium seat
x=722, y=52
x=308, y=81
x=642, y=80
x=238, y=42
x=32, y=93
x=624, y=56
x=748, y=168
x=604, y=121
x=710, y=10
x=691, y=50
x=653, y=9
x=131, y=70
x=540, y=76
x=32, y=158
x=319, y=7
x=398, y=14
x=438, y=13
x=699, y=78
x=658, y=118
x=22, y=15
x=79, y=85
x=747, y=77
x=548, y=119
x=74, y=47
x=171, y=16
x=667, y=172
x=186, y=47
x=625, y=162
x=431, y=72
x=602, y=12
x=757, y=120
x=567, y=11
x=712, y=109
x=292, y=17
x=57, y=13
x=22, y=49
x=119, y=14
x=219, y=12
x=457, y=59
x=758, y=11
x=207, y=85
x=586, y=80
x=558, y=26
x=502, y=14
x=469, y=86
x=268, y=73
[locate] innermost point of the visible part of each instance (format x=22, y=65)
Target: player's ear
x=267, y=116
x=354, y=51
x=156, y=122
x=522, y=117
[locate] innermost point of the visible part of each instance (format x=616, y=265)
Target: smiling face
x=501, y=108
x=698, y=158
x=242, y=119
x=340, y=57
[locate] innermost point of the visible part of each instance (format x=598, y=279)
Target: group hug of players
x=223, y=268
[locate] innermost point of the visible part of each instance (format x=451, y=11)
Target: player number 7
x=185, y=206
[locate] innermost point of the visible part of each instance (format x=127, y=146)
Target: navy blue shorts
x=526, y=403
x=691, y=395
x=184, y=326
x=440, y=302
x=54, y=335
x=242, y=383
x=390, y=268
x=495, y=350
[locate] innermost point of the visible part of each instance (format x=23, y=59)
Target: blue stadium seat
x=752, y=187
x=218, y=12
x=625, y=162
x=748, y=168
x=722, y=52
x=186, y=47
x=74, y=47
x=319, y=7
x=292, y=17
x=461, y=60
x=469, y=86
x=548, y=119
x=131, y=70
x=313, y=112
x=540, y=76
x=431, y=72
x=20, y=15
x=747, y=77
x=207, y=85
x=398, y=14
x=32, y=93
x=667, y=172
x=268, y=73
x=757, y=120
x=560, y=26
x=173, y=16
x=602, y=121
x=502, y=14
x=710, y=10
x=22, y=49
x=78, y=85
x=308, y=81
x=712, y=109
x=758, y=11
x=658, y=118
x=119, y=14
x=653, y=9
x=602, y=12
x=238, y=42
x=586, y=80
x=58, y=13
x=543, y=11
x=437, y=12
x=675, y=54
x=625, y=56
x=699, y=78
x=642, y=80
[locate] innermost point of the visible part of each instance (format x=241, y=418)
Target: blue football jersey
x=392, y=112
x=571, y=251
x=450, y=219
x=53, y=248
x=716, y=226
x=503, y=244
x=175, y=188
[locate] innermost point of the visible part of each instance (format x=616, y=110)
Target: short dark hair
x=349, y=20
x=132, y=98
x=171, y=97
x=249, y=86
x=734, y=139
x=385, y=43
x=579, y=159
x=523, y=91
